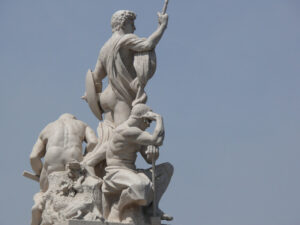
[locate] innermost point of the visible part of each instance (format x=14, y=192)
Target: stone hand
x=84, y=97
x=152, y=152
x=151, y=115
x=162, y=19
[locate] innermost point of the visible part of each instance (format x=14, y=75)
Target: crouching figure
x=128, y=192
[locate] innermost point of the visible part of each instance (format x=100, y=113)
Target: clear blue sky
x=227, y=85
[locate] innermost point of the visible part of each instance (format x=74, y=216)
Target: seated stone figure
x=59, y=143
x=133, y=187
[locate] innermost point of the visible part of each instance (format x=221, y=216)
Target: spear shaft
x=154, y=188
x=164, y=10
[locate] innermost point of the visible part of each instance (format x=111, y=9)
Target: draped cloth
x=134, y=186
x=124, y=83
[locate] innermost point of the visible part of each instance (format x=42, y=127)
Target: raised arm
x=38, y=152
x=159, y=130
x=156, y=35
x=140, y=137
x=99, y=74
x=148, y=44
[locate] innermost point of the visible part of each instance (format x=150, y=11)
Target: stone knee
x=139, y=193
x=164, y=175
x=36, y=208
x=168, y=168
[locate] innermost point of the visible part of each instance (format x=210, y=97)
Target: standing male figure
x=116, y=60
x=60, y=143
x=122, y=177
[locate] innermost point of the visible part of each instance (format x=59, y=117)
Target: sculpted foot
x=114, y=215
x=163, y=216
x=166, y=217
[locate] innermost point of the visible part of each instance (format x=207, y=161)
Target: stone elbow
x=33, y=157
x=160, y=141
x=149, y=45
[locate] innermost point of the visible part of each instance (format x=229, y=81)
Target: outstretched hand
x=84, y=97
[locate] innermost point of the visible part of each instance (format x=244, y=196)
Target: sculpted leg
x=37, y=209
x=121, y=112
x=36, y=216
x=44, y=180
x=131, y=186
x=139, y=193
x=163, y=177
x=164, y=174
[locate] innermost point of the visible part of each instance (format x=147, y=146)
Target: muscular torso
x=64, y=143
x=122, y=152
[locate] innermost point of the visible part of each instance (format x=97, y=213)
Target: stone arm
x=140, y=137
x=148, y=44
x=99, y=74
x=159, y=130
x=38, y=152
x=90, y=139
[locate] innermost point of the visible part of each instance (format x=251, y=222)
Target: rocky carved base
x=80, y=222
x=74, y=197
x=71, y=194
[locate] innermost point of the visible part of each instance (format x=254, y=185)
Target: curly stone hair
x=139, y=110
x=120, y=17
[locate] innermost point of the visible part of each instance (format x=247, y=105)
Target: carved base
x=81, y=222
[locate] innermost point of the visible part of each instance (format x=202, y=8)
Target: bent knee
x=37, y=207
x=168, y=167
x=142, y=184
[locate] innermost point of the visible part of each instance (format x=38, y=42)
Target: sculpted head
x=139, y=113
x=67, y=116
x=123, y=19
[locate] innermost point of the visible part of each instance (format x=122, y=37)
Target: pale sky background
x=227, y=84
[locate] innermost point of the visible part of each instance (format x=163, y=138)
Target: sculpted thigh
x=117, y=180
x=43, y=180
x=121, y=112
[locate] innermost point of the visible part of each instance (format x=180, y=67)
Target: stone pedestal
x=81, y=222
